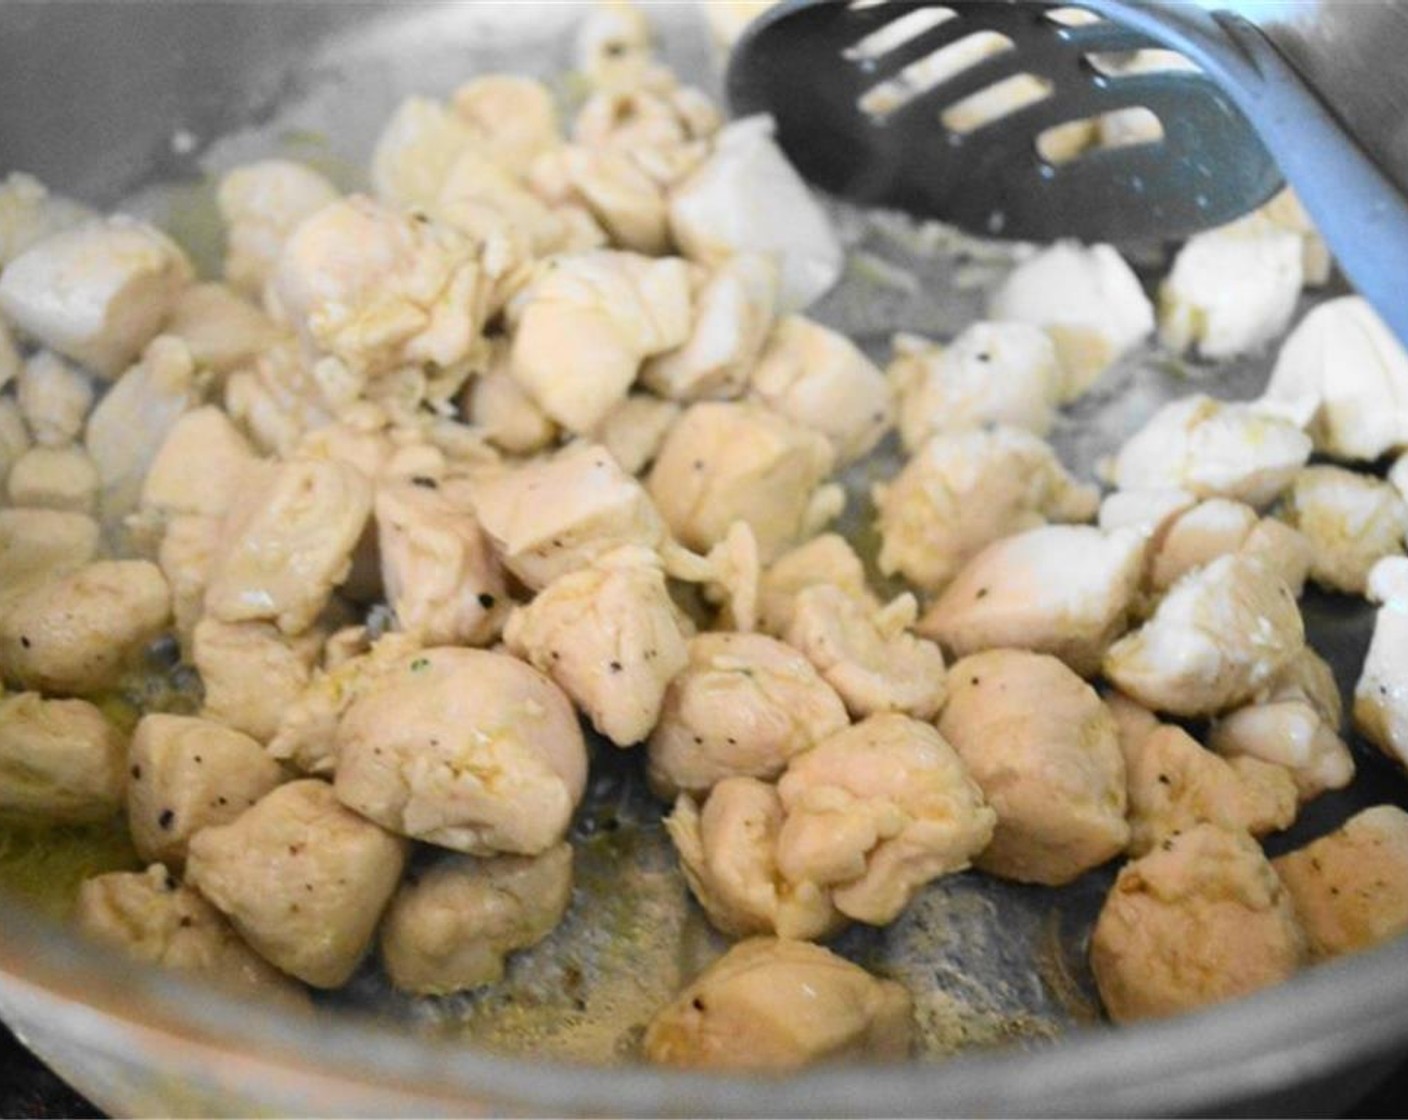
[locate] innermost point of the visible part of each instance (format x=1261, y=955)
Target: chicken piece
x=1200, y=920
x=469, y=750
x=963, y=491
x=828, y=560
x=278, y=400
x=629, y=205
x=1285, y=211
x=878, y=810
x=635, y=430
x=1381, y=693
x=729, y=18
x=1065, y=590
x=1351, y=520
x=610, y=636
x=614, y=48
x=37, y=545
x=185, y=774
x=252, y=672
x=1350, y=888
x=746, y=197
x=184, y=556
x=287, y=542
x=14, y=436
x=1286, y=552
x=730, y=461
x=61, y=761
x=302, y=878
x=57, y=478
x=1149, y=511
x=478, y=196
x=1232, y=290
x=505, y=412
x=1087, y=299
x=582, y=329
x=1045, y=752
x=775, y=1005
x=1196, y=536
x=734, y=313
x=666, y=128
x=96, y=293
x=728, y=853
x=30, y=213
x=1217, y=637
x=222, y=330
x=744, y=705
x=80, y=632
x=511, y=118
x=1213, y=450
x=415, y=150
x=450, y=928
x=1388, y=580
x=991, y=373
x=1291, y=733
x=261, y=204
x=151, y=918
x=1344, y=372
x=200, y=468
x=869, y=657
x=54, y=398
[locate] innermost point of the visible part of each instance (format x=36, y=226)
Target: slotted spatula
x=874, y=101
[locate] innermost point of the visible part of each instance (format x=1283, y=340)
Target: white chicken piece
x=14, y=436
x=1213, y=449
x=302, y=878
x=734, y=313
x=614, y=47
x=1344, y=373
x=1065, y=590
x=261, y=203
x=54, y=398
x=277, y=400
x=79, y=633
x=610, y=636
x=1388, y=580
x=746, y=197
x=1351, y=520
x=442, y=579
x=222, y=330
x=1149, y=511
x=61, y=761
x=185, y=555
x=251, y=672
x=583, y=328
x=483, y=199
x=37, y=545
x=635, y=430
x=1381, y=693
x=466, y=749
x=1232, y=290
x=963, y=491
x=96, y=293
x=511, y=117
x=200, y=468
x=1199, y=920
x=1350, y=887
x=287, y=542
x=185, y=774
x=57, y=478
x=450, y=928
x=777, y=1005
x=629, y=205
x=820, y=379
x=504, y=411
x=869, y=657
x=991, y=373
x=1045, y=752
x=743, y=705
x=877, y=811
x=1285, y=551
x=29, y=212
x=1217, y=637
x=1194, y=537
x=666, y=128
x=1087, y=299
x=727, y=461
x=415, y=150
x=1285, y=211
x=828, y=560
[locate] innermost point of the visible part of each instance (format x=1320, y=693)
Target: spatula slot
x=1120, y=128
x=904, y=29
x=932, y=70
x=996, y=102
x=1152, y=60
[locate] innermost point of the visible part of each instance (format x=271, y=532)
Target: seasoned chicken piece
x=1381, y=693
x=629, y=204
x=1350, y=888
x=1284, y=551
x=1200, y=920
x=1087, y=299
x=186, y=552
x=79, y=632
x=828, y=560
x=820, y=379
x=504, y=410
x=1196, y=536
x=465, y=749
x=1149, y=511
x=251, y=672
x=635, y=430
x=778, y=1005
x=96, y=293
x=287, y=542
x=14, y=436
x=512, y=118
x=665, y=128
x=1045, y=752
x=869, y=657
x=261, y=204
x=1351, y=520
x=222, y=330
x=876, y=811
x=732, y=461
x=1066, y=590
x=185, y=774
x=415, y=150
x=991, y=373
x=1290, y=733
x=963, y=491
x=29, y=213
x=61, y=761
x=478, y=196
x=151, y=918
x=278, y=400
x=54, y=398
x=1216, y=638
x=744, y=704
x=746, y=197
x=582, y=329
x=450, y=928
x=610, y=636
x=1213, y=450
x=302, y=878
x=734, y=313
x=200, y=468
x=37, y=545
x=57, y=478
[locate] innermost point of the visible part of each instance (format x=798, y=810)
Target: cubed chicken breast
x=512, y=118
x=54, y=398
x=277, y=400
x=37, y=545
x=828, y=560
x=58, y=478
x=1285, y=211
x=666, y=128
x=61, y=761
x=261, y=203
x=635, y=430
x=14, y=436
x=30, y=212
x=1195, y=537
x=222, y=330
x=200, y=467
x=185, y=555
x=628, y=203
x=1381, y=693
x=1351, y=520
x=1285, y=551
x=504, y=411
x=614, y=48
x=251, y=672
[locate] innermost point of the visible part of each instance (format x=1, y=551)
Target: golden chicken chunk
x=628, y=203
x=61, y=761
x=1351, y=520
x=251, y=672
x=827, y=560
x=261, y=204
x=37, y=545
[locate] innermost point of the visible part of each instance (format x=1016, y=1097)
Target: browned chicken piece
x=451, y=927
x=261, y=204
x=201, y=466
x=779, y=1005
x=1199, y=920
x=1045, y=752
x=827, y=559
x=61, y=761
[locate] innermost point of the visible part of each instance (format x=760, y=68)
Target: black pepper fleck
x=166, y=819
x=136, y=773
x=425, y=481
x=615, y=666
x=24, y=641
x=486, y=600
